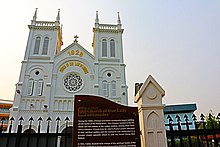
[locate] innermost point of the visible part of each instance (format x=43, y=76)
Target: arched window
x=105, y=88
x=37, y=45
x=40, y=87
x=30, y=87
x=104, y=48
x=45, y=45
x=113, y=88
x=112, y=48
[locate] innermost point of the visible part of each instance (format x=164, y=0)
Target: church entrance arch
x=29, y=131
x=66, y=141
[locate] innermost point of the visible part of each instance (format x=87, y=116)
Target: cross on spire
x=76, y=37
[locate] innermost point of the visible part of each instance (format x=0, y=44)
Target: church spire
x=119, y=20
x=96, y=20
x=58, y=16
x=34, y=17
x=97, y=17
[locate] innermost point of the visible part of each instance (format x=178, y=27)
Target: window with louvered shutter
x=40, y=87
x=113, y=88
x=104, y=48
x=112, y=48
x=45, y=46
x=30, y=87
x=37, y=45
x=105, y=88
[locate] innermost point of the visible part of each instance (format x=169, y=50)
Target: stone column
x=151, y=117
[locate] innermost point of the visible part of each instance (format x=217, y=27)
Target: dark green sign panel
x=100, y=122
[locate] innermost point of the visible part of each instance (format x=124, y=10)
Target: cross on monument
x=76, y=37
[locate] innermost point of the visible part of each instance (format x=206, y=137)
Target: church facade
x=50, y=77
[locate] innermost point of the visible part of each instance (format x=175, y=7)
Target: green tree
x=210, y=121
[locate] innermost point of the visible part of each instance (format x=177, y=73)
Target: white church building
x=51, y=76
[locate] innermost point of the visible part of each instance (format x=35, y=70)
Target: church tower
x=51, y=77
x=33, y=88
x=109, y=63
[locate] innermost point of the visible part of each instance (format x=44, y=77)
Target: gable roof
x=79, y=46
x=149, y=80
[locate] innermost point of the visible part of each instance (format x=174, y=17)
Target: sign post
x=101, y=122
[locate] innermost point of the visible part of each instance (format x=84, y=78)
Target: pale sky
x=177, y=42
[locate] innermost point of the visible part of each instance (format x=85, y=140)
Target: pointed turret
x=119, y=22
x=96, y=20
x=57, y=22
x=58, y=16
x=34, y=17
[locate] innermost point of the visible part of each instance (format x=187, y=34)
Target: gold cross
x=76, y=37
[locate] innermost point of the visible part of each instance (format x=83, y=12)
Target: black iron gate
x=29, y=138
x=197, y=133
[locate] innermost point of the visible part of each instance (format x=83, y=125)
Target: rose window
x=73, y=82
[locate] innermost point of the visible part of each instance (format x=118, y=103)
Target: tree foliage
x=210, y=122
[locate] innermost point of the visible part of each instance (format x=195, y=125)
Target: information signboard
x=100, y=122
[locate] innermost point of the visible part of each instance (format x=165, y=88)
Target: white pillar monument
x=151, y=117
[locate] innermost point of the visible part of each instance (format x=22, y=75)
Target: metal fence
x=29, y=138
x=205, y=133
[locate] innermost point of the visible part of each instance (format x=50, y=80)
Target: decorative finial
x=97, y=17
x=76, y=37
x=58, y=16
x=35, y=15
x=119, y=20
